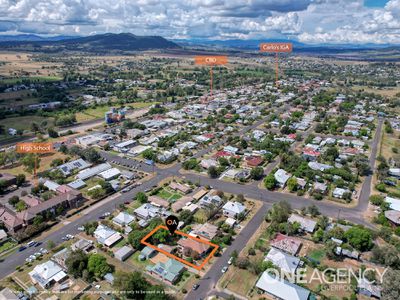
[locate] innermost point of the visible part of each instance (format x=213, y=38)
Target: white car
x=38, y=254
x=230, y=261
x=106, y=214
x=43, y=251
x=33, y=257
x=28, y=260
x=224, y=269
x=81, y=228
x=70, y=236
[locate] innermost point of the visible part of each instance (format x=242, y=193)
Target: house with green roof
x=168, y=272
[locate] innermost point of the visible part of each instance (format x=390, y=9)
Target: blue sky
x=307, y=21
x=375, y=3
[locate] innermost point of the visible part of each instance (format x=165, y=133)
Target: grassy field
x=44, y=165
x=23, y=123
x=169, y=195
x=34, y=79
x=388, y=92
x=317, y=254
x=238, y=281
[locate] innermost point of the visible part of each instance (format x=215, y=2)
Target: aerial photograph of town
x=199, y=149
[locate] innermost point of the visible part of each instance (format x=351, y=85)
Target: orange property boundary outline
x=143, y=241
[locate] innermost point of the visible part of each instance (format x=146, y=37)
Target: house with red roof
x=310, y=154
x=254, y=161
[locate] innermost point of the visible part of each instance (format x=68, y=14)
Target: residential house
x=47, y=274
x=207, y=163
x=285, y=243
x=286, y=262
x=233, y=209
x=254, y=161
x=106, y=236
x=320, y=187
x=180, y=187
x=83, y=245
x=393, y=216
x=196, y=248
x=305, y=223
x=123, y=219
x=340, y=193
x=280, y=288
x=318, y=166
x=207, y=231
x=168, y=272
x=281, y=176
x=10, y=220
x=394, y=203
x=147, y=211
x=210, y=200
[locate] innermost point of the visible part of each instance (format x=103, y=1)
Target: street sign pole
x=276, y=48
x=211, y=61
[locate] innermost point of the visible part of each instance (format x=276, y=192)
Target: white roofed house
x=123, y=219
x=233, y=209
x=305, y=223
x=281, y=176
x=106, y=236
x=210, y=200
x=286, y=262
x=47, y=274
x=280, y=288
x=149, y=211
x=340, y=193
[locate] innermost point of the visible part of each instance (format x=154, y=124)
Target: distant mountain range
x=254, y=44
x=94, y=43
x=125, y=42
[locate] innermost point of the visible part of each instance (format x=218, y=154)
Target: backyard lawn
x=317, y=254
x=169, y=195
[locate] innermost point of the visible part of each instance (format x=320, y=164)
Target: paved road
x=209, y=280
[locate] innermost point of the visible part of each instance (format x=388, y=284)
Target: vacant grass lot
x=23, y=123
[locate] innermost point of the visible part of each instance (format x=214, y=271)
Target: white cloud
x=311, y=21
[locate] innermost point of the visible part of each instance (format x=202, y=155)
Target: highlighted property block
x=144, y=242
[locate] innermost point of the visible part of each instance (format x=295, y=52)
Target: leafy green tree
x=141, y=197
x=76, y=262
x=28, y=161
x=97, y=265
x=20, y=179
x=292, y=184
x=279, y=213
x=131, y=284
x=213, y=172
x=270, y=182
x=149, y=154
x=359, y=237
x=257, y=173
x=52, y=133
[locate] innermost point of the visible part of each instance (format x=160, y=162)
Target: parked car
x=31, y=243
x=195, y=286
x=22, y=248
x=230, y=261
x=224, y=269
x=81, y=228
